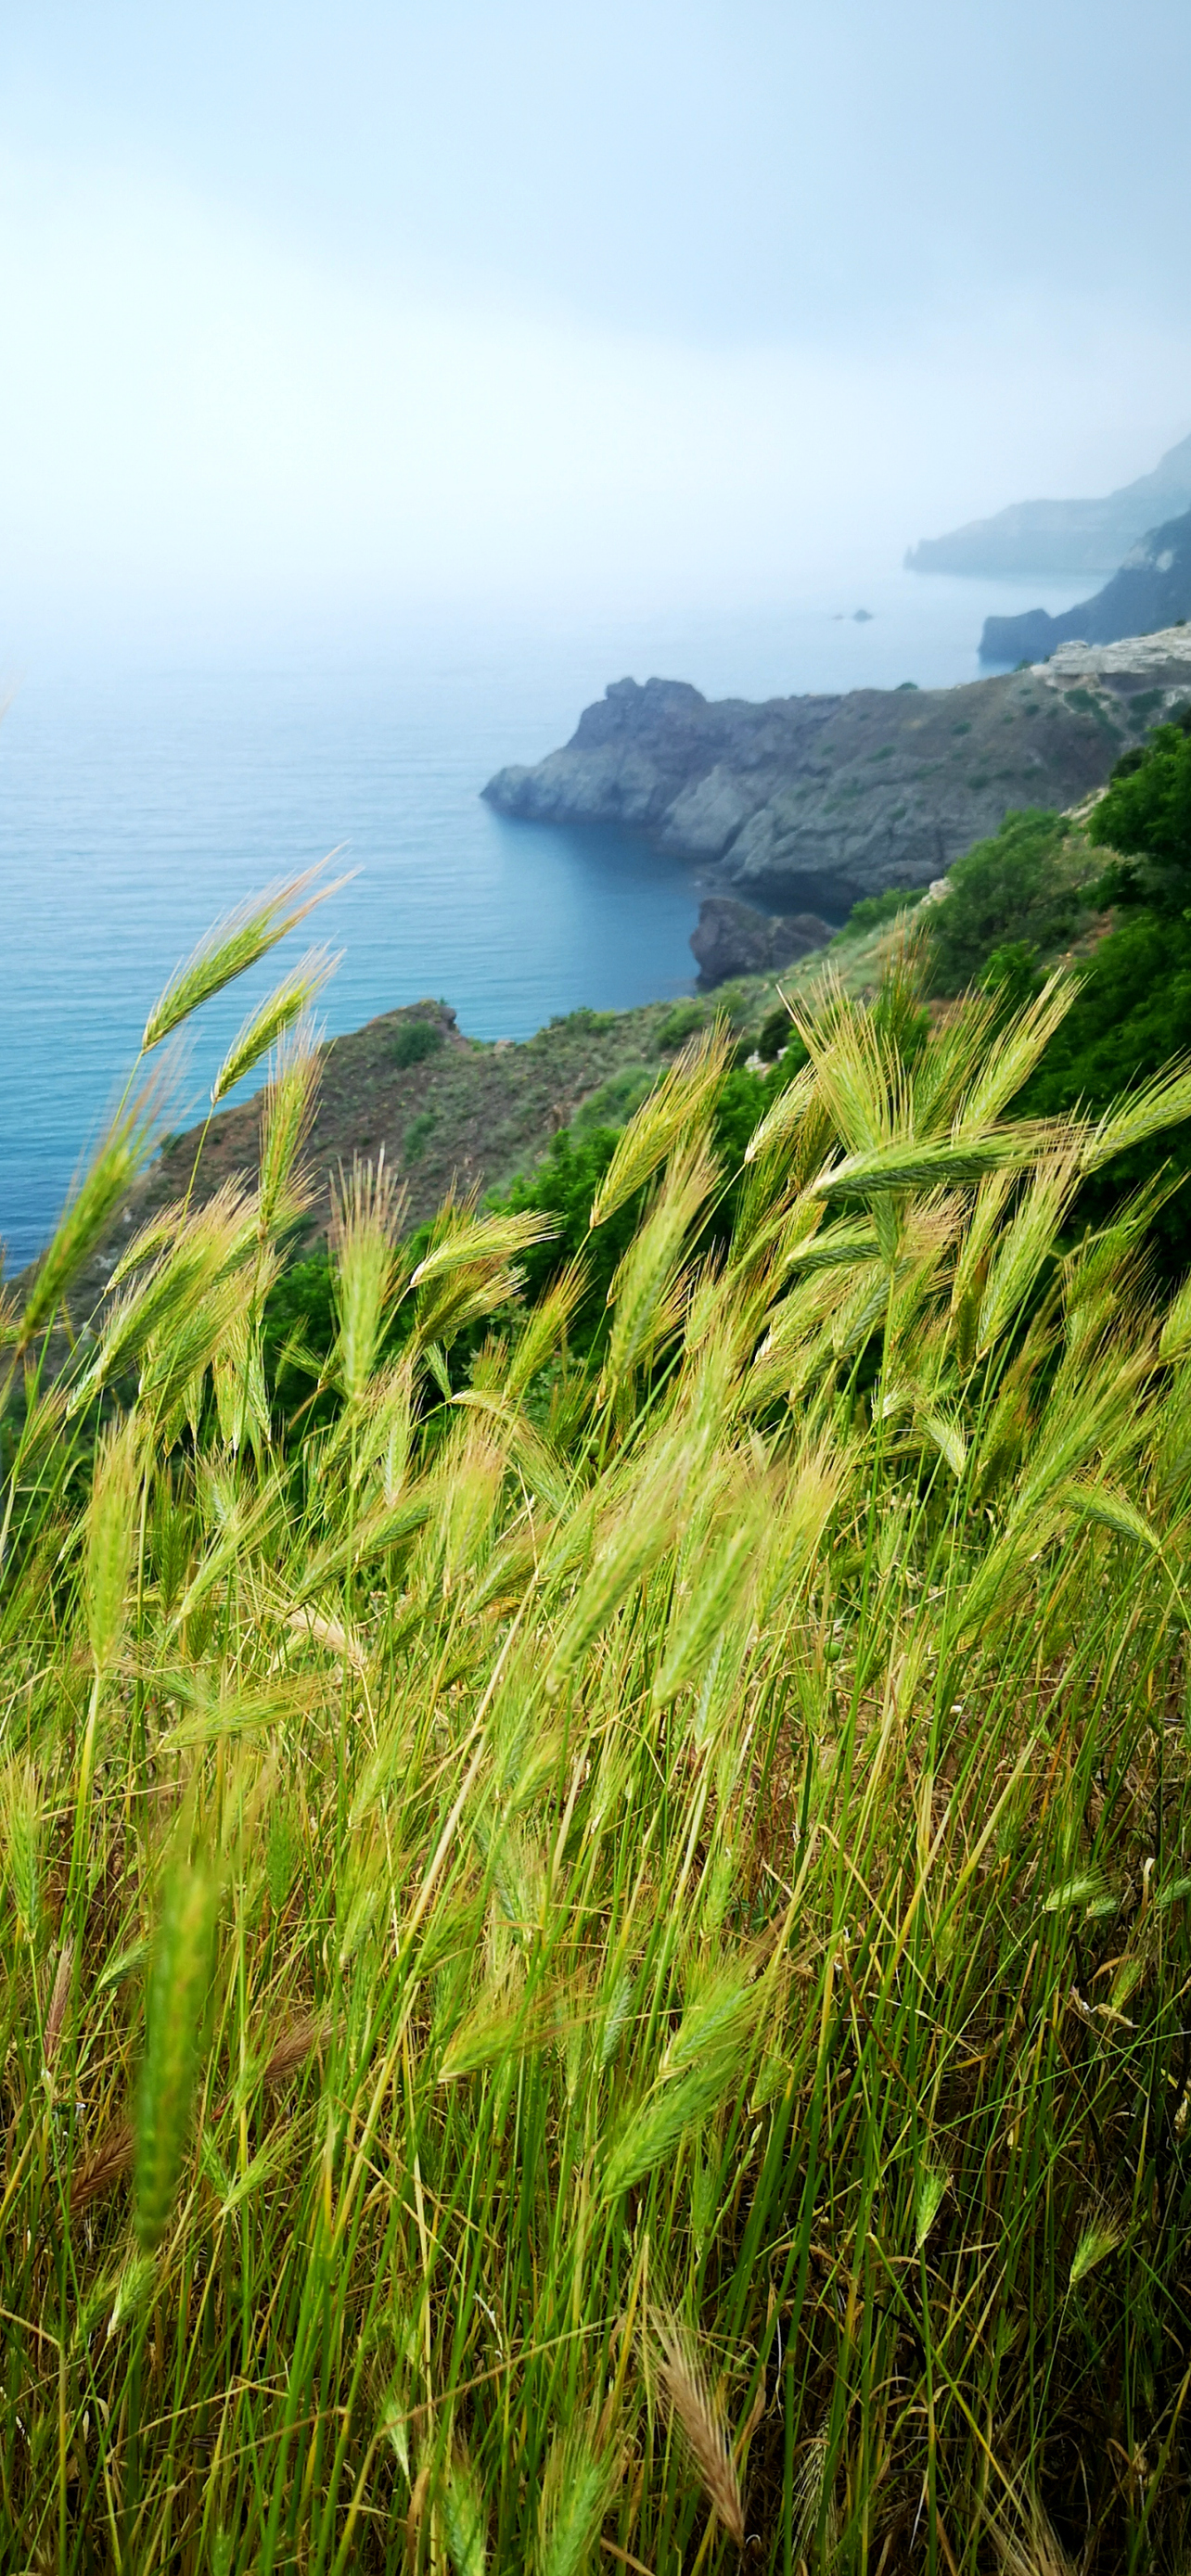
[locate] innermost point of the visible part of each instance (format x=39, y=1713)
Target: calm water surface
x=143, y=793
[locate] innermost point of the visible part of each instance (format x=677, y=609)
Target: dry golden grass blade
x=294, y=2047
x=55, y=2020
x=329, y=1633
x=109, y=2163
x=702, y=2424
x=1024, y=2538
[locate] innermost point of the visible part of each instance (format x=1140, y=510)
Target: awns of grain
x=629, y=1927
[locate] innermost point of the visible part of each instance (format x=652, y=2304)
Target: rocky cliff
x=733, y=938
x=804, y=804
x=1151, y=591
x=1057, y=537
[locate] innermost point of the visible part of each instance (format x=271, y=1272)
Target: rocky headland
x=802, y=805
x=1151, y=591
x=1057, y=537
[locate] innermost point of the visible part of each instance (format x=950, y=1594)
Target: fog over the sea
x=323, y=313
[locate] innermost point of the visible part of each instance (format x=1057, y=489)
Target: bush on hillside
x=613, y=1103
x=1019, y=885
x=1145, y=819
x=680, y=1023
x=413, y=1040
x=1131, y=1017
x=874, y=910
x=775, y=1034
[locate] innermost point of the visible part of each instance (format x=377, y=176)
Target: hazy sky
x=513, y=299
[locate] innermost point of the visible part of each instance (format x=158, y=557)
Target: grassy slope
x=667, y=1899
x=493, y=1108
x=485, y=1111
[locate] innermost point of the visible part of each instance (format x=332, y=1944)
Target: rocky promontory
x=804, y=804
x=1151, y=591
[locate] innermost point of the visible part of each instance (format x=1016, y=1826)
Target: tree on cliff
x=1146, y=819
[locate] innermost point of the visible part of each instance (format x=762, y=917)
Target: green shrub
x=1011, y=972
x=1146, y=820
x=1130, y=1018
x=616, y=1099
x=873, y=910
x=413, y=1041
x=417, y=1135
x=583, y=1020
x=774, y=1034
x=679, y=1024
x=1018, y=885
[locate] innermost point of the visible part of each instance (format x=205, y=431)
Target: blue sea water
x=144, y=790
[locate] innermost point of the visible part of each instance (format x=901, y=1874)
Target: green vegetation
x=1132, y=1015
x=1146, y=820
x=679, y=1024
x=775, y=1034
x=413, y=1041
x=418, y=1134
x=598, y=1945
x=1018, y=885
x=874, y=910
x=615, y=1100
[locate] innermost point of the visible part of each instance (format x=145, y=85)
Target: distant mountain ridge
x=1151, y=591
x=1057, y=537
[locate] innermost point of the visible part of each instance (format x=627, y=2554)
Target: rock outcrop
x=733, y=938
x=1151, y=591
x=1033, y=538
x=804, y=804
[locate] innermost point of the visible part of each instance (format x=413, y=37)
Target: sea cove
x=141, y=792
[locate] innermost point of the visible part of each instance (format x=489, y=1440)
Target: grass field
x=598, y=1955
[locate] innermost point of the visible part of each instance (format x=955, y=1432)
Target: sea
x=147, y=786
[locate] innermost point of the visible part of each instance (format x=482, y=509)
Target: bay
x=147, y=785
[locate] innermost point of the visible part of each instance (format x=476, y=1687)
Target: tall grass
x=597, y=1961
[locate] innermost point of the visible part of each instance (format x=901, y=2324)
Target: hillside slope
x=465, y=1114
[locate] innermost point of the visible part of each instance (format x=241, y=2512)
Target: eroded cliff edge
x=807, y=803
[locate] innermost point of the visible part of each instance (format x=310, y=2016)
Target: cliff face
x=804, y=804
x=1056, y=537
x=733, y=938
x=1151, y=591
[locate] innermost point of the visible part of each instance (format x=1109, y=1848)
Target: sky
x=315, y=310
